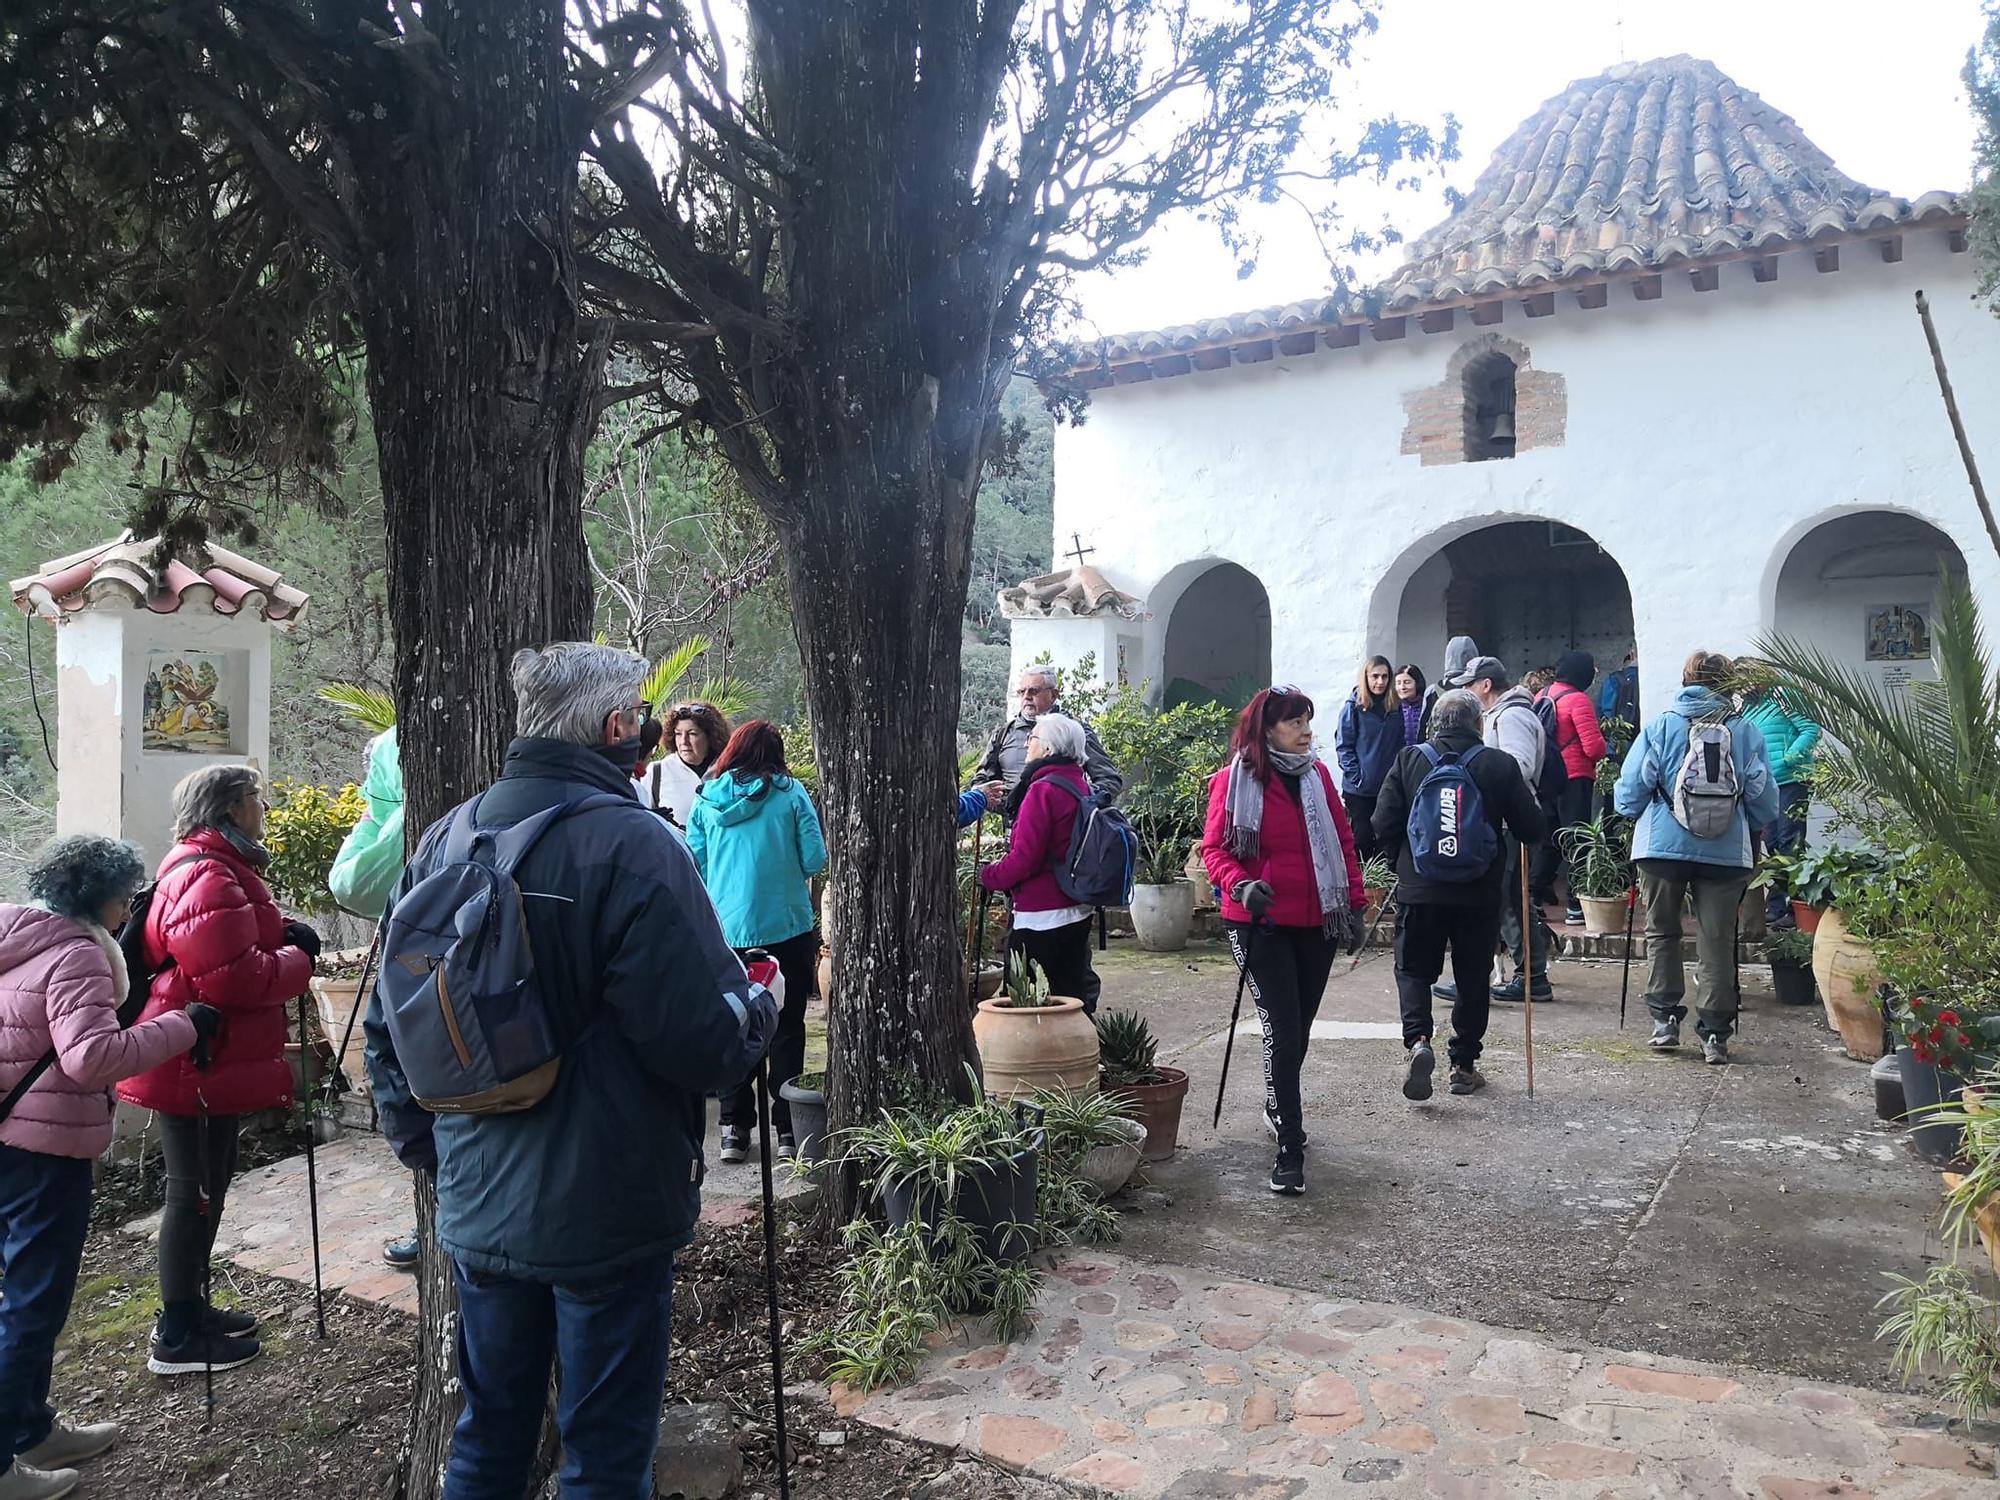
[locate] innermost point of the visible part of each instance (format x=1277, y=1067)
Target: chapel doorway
x=1862, y=588
x=1218, y=644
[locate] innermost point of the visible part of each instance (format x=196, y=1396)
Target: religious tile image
x=1898, y=632
x=185, y=709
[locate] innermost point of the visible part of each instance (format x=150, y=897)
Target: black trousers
x=1423, y=932
x=1572, y=807
x=798, y=961
x=187, y=1229
x=1288, y=969
x=1361, y=815
x=1063, y=956
x=1536, y=961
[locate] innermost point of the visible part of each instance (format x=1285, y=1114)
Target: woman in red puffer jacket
x=223, y=942
x=1581, y=741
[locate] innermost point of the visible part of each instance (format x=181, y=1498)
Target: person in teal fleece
x=1674, y=864
x=757, y=842
x=1792, y=741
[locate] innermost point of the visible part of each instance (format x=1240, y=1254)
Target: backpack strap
x=511, y=845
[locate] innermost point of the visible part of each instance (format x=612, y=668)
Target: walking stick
x=207, y=1206
x=360, y=1000
x=1528, y=985
x=1229, y=1046
x=979, y=911
x=1625, y=979
x=308, y=1055
x=978, y=941
x=1376, y=926
x=771, y=1274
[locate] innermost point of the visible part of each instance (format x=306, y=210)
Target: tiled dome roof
x=122, y=573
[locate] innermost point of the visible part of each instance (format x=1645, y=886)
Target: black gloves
x=301, y=936
x=207, y=1020
x=1255, y=897
x=1353, y=930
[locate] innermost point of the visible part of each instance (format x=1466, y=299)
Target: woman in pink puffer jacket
x=62, y=979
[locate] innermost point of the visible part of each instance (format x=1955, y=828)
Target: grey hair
x=565, y=690
x=1047, y=674
x=77, y=876
x=203, y=798
x=1458, y=709
x=1060, y=736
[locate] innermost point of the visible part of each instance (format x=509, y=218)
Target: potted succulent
x=1029, y=1039
x=1790, y=954
x=1600, y=873
x=806, y=1094
x=1151, y=1094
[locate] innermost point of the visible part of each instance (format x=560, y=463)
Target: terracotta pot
x=1985, y=1219
x=1162, y=914
x=1807, y=917
x=1026, y=1048
x=824, y=974
x=1847, y=974
x=1157, y=1106
x=1197, y=874
x=338, y=1000
x=1603, y=916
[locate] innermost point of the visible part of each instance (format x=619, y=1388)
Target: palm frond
x=373, y=711
x=665, y=679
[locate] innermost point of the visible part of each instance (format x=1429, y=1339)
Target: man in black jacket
x=1007, y=751
x=562, y=1220
x=1432, y=915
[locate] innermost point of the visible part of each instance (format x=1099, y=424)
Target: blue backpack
x=1103, y=852
x=1451, y=838
x=458, y=985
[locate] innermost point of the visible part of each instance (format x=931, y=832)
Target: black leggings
x=798, y=961
x=1288, y=973
x=187, y=1230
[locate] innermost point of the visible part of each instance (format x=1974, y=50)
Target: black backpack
x=1555, y=775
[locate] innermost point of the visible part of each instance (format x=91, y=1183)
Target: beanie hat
x=1575, y=668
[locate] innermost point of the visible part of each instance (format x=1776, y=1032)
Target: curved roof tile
x=121, y=574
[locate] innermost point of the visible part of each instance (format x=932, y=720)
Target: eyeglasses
x=643, y=710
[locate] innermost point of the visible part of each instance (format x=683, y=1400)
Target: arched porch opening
x=1862, y=587
x=1218, y=639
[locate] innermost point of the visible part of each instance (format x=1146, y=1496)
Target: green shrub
x=304, y=831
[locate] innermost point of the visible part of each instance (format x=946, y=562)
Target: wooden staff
x=1528, y=970
x=978, y=904
x=1957, y=425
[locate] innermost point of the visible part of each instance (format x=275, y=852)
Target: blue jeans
x=1785, y=833
x=609, y=1337
x=44, y=1215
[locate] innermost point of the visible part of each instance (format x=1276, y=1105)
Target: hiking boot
x=1666, y=1035
x=403, y=1254
x=1446, y=991
x=1513, y=992
x=1715, y=1050
x=66, y=1445
x=787, y=1148
x=1466, y=1080
x=1288, y=1176
x=228, y=1321
x=199, y=1352
x=1271, y=1126
x=1417, y=1081
x=735, y=1144
x=26, y=1482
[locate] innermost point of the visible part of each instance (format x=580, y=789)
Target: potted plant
x=1600, y=873
x=1859, y=886
x=1087, y=1138
x=976, y=1165
x=1150, y=1093
x=1029, y=1039
x=1162, y=899
x=1167, y=756
x=1790, y=954
x=806, y=1094
x=1378, y=878
x=1804, y=880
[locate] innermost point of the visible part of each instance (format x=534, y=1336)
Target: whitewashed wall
x=1706, y=434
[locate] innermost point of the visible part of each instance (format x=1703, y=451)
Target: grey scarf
x=1246, y=824
x=253, y=853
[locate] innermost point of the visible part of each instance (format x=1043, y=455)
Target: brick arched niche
x=1449, y=423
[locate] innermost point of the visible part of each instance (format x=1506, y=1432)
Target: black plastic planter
x=998, y=1202
x=808, y=1120
x=1926, y=1085
x=1794, y=983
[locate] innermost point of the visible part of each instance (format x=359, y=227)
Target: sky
x=1875, y=86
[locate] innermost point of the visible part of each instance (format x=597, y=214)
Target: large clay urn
x=1847, y=973
x=1026, y=1048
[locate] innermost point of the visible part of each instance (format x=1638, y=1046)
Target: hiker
x=1451, y=865
x=364, y=872
x=1513, y=726
x=1413, y=702
x=62, y=979
x=1278, y=847
x=1459, y=653
x=1618, y=694
x=1366, y=737
x=976, y=802
x=756, y=839
x=214, y=935
x=1695, y=783
x=1048, y=929
x=694, y=734
x=1007, y=751
x=1581, y=745
x=562, y=1220
x=1791, y=741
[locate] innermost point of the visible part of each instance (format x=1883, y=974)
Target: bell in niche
x=1502, y=428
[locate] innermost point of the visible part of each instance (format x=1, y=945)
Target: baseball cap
x=1483, y=666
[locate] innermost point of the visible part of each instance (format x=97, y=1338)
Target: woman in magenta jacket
x=224, y=943
x=1280, y=852
x=1049, y=930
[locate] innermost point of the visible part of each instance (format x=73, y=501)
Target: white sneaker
x=1715, y=1051
x=66, y=1445
x=26, y=1482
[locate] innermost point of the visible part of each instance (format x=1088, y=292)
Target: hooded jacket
x=214, y=918
x=1365, y=742
x=1458, y=654
x=61, y=983
x=1508, y=800
x=606, y=1171
x=1284, y=857
x=1578, y=736
x=1513, y=725
x=370, y=860
x=758, y=845
x=1790, y=739
x=1038, y=841
x=1645, y=785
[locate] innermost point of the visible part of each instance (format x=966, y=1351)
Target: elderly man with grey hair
x=1036, y=690
x=1432, y=914
x=562, y=1220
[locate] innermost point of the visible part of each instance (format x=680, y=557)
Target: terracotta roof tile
x=121, y=574
x=1076, y=593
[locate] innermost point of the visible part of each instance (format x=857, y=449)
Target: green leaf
x=373, y=711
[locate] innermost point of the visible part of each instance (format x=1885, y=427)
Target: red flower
x=1923, y=1052
x=1937, y=1033
x=1949, y=1017
x=1964, y=1040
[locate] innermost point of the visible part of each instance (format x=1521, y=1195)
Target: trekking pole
x=771, y=1273
x=979, y=940
x=360, y=1003
x=1528, y=985
x=1625, y=979
x=1736, y=963
x=1376, y=925
x=206, y=1204
x=1229, y=1046
x=308, y=1056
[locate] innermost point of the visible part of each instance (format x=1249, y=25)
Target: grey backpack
x=459, y=990
x=1707, y=789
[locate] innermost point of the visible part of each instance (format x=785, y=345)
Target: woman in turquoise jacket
x=1791, y=740
x=757, y=842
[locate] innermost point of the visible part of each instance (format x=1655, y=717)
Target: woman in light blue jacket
x=757, y=842
x=1675, y=863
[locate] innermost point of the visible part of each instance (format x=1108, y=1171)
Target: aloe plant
x=1126, y=1049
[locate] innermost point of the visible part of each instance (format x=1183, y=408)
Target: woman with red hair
x=1281, y=854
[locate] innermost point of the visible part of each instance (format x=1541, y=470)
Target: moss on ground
x=112, y=1308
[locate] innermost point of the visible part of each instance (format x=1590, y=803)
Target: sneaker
x=735, y=1144
x=1288, y=1176
x=26, y=1482
x=1573, y=917
x=403, y=1254
x=1511, y=993
x=1666, y=1035
x=1417, y=1081
x=1446, y=991
x=1271, y=1128
x=1784, y=921
x=1466, y=1080
x=787, y=1148
x=228, y=1321
x=199, y=1352
x=66, y=1445
x=1715, y=1050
